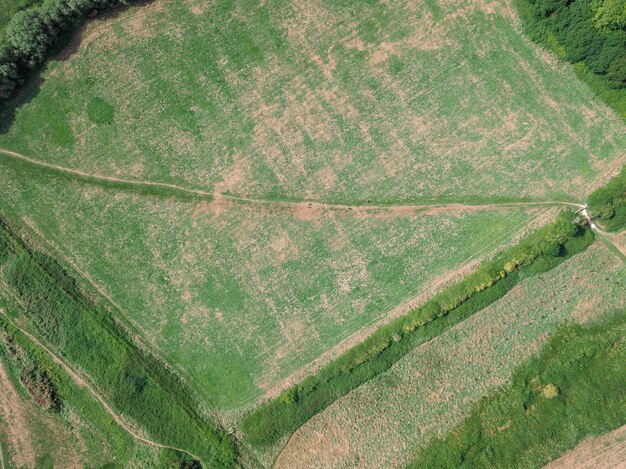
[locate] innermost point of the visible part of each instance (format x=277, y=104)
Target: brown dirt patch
x=606, y=451
x=14, y=417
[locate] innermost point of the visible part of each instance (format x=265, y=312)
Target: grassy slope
x=432, y=388
x=45, y=300
x=321, y=100
x=84, y=433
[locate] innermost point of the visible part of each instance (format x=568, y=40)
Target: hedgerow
x=85, y=334
x=538, y=252
x=573, y=389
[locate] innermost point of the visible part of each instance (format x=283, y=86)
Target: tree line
x=582, y=31
x=29, y=35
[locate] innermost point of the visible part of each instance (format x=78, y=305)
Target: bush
x=608, y=204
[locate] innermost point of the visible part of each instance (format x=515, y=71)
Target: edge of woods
x=538, y=252
x=41, y=295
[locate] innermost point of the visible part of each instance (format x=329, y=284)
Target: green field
x=322, y=100
x=349, y=159
x=195, y=280
x=430, y=390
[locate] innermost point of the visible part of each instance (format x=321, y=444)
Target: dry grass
x=430, y=390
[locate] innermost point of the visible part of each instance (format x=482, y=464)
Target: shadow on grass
x=66, y=45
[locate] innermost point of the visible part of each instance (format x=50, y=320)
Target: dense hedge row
x=573, y=389
x=84, y=334
x=536, y=253
x=592, y=32
x=28, y=37
x=608, y=204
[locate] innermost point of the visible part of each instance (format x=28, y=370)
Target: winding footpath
x=84, y=384
x=138, y=184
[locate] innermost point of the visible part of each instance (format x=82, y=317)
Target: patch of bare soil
x=606, y=451
x=14, y=419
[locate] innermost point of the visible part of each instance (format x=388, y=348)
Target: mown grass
x=538, y=252
x=135, y=383
x=571, y=390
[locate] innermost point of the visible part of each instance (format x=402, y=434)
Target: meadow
x=433, y=388
x=322, y=101
x=243, y=296
x=305, y=128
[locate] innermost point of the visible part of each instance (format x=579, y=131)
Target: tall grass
x=536, y=253
x=574, y=388
x=134, y=382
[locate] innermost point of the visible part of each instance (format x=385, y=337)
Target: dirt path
x=84, y=384
x=432, y=207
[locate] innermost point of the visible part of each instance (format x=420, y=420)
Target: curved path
x=139, y=184
x=82, y=383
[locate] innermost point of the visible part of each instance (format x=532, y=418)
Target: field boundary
x=214, y=195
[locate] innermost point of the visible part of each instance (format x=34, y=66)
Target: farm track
x=183, y=191
x=84, y=384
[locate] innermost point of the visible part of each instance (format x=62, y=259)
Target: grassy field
x=432, y=389
x=322, y=100
x=242, y=297
x=334, y=101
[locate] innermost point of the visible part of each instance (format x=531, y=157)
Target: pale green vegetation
x=321, y=100
x=393, y=105
x=257, y=291
x=432, y=389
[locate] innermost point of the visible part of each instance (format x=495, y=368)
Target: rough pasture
x=306, y=100
x=432, y=389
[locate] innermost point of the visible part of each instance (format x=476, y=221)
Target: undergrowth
x=573, y=389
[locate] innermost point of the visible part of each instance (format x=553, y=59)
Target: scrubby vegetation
x=135, y=383
x=31, y=32
x=608, y=203
x=573, y=389
x=536, y=253
x=591, y=34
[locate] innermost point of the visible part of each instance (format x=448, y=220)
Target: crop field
x=425, y=394
x=256, y=186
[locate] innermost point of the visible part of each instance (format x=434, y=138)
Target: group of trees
x=592, y=32
x=31, y=33
x=608, y=203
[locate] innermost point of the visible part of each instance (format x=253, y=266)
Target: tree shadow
x=66, y=45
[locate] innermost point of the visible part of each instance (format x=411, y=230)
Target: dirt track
x=429, y=208
x=84, y=384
